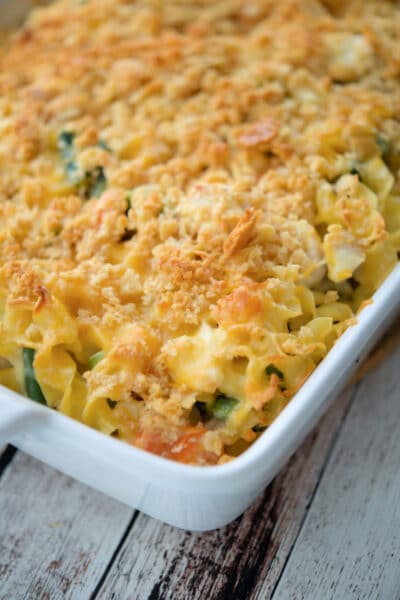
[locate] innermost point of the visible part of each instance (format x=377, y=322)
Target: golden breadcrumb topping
x=195, y=199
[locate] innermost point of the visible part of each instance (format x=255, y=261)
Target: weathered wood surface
x=349, y=546
x=160, y=562
x=327, y=527
x=56, y=535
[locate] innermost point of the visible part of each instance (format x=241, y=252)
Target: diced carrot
x=187, y=448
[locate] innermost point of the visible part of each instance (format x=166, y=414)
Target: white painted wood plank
x=159, y=562
x=349, y=547
x=56, y=535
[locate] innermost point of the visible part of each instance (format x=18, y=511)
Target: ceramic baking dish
x=196, y=498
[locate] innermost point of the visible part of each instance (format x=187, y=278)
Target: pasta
x=196, y=199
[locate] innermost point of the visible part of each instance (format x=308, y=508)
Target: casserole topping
x=195, y=200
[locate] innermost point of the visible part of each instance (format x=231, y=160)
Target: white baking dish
x=196, y=498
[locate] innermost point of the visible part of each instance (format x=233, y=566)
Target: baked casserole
x=196, y=199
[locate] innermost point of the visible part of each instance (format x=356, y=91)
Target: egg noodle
x=196, y=198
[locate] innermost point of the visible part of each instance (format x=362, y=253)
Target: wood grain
x=157, y=561
x=349, y=547
x=56, y=535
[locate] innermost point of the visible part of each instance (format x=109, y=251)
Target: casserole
x=344, y=252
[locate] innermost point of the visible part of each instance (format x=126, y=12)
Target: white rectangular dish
x=195, y=498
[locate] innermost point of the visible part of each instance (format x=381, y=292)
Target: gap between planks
x=7, y=454
x=115, y=554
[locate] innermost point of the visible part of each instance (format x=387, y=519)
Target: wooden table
x=328, y=527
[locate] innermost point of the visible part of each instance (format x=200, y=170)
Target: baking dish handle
x=17, y=416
